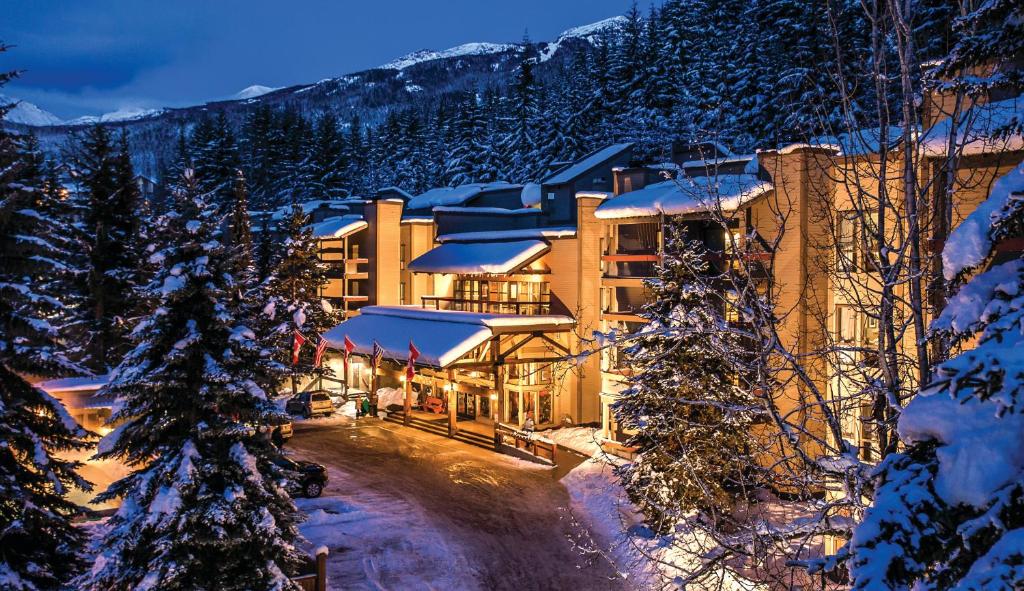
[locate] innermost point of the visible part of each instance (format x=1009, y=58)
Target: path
x=501, y=522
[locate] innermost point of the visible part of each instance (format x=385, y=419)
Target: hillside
x=416, y=78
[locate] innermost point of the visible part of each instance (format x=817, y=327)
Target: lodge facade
x=503, y=286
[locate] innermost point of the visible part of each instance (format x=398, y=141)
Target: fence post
x=321, y=568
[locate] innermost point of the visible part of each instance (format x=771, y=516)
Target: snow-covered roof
x=488, y=210
x=858, y=142
x=74, y=384
x=685, y=195
x=969, y=243
x=709, y=162
x=479, y=257
x=339, y=226
x=441, y=336
x=454, y=195
x=552, y=232
x=586, y=163
x=308, y=207
x=979, y=130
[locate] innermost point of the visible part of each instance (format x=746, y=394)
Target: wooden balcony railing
x=486, y=306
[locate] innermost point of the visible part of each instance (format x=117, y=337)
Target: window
x=846, y=241
x=513, y=291
x=551, y=196
x=846, y=324
x=544, y=416
x=401, y=256
x=869, y=449
x=401, y=292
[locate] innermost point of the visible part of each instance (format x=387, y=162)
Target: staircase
x=440, y=427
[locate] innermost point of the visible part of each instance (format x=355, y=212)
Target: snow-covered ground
x=582, y=440
x=378, y=542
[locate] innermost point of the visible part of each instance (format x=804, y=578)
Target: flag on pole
x=414, y=354
x=346, y=351
x=376, y=356
x=297, y=342
x=320, y=348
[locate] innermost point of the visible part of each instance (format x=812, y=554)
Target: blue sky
x=90, y=57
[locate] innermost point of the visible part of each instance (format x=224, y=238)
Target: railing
x=486, y=306
x=527, y=441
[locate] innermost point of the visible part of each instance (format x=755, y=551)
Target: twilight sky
x=86, y=57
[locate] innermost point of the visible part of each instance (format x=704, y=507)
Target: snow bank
x=646, y=560
x=479, y=257
x=583, y=440
x=970, y=242
x=389, y=396
x=685, y=195
x=530, y=195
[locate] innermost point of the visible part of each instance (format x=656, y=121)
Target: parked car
x=309, y=404
x=306, y=479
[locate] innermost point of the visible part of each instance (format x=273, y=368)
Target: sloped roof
x=584, y=164
x=339, y=226
x=685, y=195
x=479, y=257
x=980, y=130
x=455, y=195
x=441, y=336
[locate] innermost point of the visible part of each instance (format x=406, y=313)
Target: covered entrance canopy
x=443, y=337
x=465, y=355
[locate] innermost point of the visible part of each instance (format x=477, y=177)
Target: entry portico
x=489, y=368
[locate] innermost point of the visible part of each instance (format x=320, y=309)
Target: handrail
x=481, y=305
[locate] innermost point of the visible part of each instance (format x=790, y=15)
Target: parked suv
x=309, y=404
x=306, y=479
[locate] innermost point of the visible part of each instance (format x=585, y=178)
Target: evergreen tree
x=292, y=291
x=686, y=397
x=39, y=547
x=325, y=166
x=110, y=221
x=215, y=157
x=238, y=238
x=953, y=501
x=518, y=148
x=201, y=507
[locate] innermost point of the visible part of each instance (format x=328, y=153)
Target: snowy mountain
x=253, y=91
x=128, y=114
x=419, y=78
x=26, y=113
x=426, y=55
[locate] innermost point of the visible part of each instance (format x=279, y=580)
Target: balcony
x=347, y=269
x=486, y=306
x=632, y=267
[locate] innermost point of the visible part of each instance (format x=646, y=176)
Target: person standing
x=364, y=406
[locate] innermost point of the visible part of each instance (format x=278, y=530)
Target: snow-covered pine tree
x=325, y=166
x=948, y=511
x=518, y=146
x=202, y=507
x=292, y=292
x=238, y=234
x=686, y=396
x=39, y=548
x=215, y=157
x=988, y=43
x=110, y=222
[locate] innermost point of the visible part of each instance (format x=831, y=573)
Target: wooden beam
x=558, y=346
x=452, y=427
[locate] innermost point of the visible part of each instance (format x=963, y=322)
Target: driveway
x=471, y=518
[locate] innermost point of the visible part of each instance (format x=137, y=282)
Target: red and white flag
x=346, y=351
x=414, y=354
x=297, y=342
x=320, y=348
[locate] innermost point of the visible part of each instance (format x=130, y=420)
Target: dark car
x=309, y=404
x=306, y=479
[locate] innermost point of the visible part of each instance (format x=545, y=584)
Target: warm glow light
x=103, y=431
x=494, y=396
